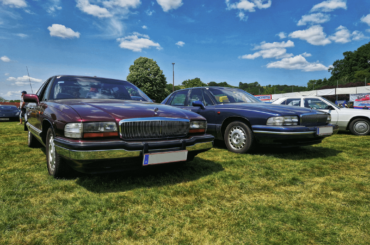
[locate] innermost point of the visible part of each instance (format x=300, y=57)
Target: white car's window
x=292, y=102
x=315, y=103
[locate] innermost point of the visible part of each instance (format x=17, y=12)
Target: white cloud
x=342, y=35
x=180, y=43
x=11, y=93
x=5, y=59
x=95, y=10
x=366, y=19
x=144, y=27
x=271, y=50
x=329, y=5
x=21, y=35
x=21, y=81
x=317, y=18
x=169, y=4
x=313, y=35
x=15, y=3
x=282, y=35
x=122, y=3
x=149, y=12
x=52, y=6
x=297, y=63
x=305, y=54
x=57, y=30
x=264, y=45
x=357, y=35
x=7, y=74
x=137, y=42
x=247, y=5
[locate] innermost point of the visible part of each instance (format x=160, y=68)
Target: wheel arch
x=354, y=118
x=229, y=120
x=46, y=124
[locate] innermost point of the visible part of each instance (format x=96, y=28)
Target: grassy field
x=314, y=195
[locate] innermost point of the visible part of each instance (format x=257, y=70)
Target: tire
x=190, y=157
x=238, y=137
x=32, y=141
x=25, y=127
x=360, y=126
x=57, y=166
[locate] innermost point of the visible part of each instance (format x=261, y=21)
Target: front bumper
x=289, y=135
x=97, y=156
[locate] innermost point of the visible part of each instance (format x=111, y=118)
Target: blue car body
x=255, y=115
x=9, y=112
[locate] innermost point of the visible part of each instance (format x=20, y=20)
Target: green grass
x=314, y=195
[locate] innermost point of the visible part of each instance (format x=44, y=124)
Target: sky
x=268, y=41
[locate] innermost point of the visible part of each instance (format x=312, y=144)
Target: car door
x=208, y=112
x=322, y=105
x=40, y=108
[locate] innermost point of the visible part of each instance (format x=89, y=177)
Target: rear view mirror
x=198, y=103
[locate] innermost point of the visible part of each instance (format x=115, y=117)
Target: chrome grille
x=153, y=128
x=313, y=119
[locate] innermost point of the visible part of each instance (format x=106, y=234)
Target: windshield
x=331, y=103
x=95, y=88
x=7, y=107
x=232, y=96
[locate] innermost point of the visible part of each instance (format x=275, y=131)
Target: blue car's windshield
x=95, y=88
x=232, y=96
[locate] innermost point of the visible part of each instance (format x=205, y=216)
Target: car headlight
x=198, y=126
x=90, y=130
x=282, y=121
x=328, y=119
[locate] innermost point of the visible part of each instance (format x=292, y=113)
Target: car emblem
x=155, y=110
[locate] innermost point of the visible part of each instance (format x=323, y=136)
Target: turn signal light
x=96, y=135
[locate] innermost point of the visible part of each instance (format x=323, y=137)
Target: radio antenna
x=29, y=79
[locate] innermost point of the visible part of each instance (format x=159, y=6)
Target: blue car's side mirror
x=198, y=103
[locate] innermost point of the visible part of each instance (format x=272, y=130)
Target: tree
x=146, y=75
x=2, y=99
x=195, y=82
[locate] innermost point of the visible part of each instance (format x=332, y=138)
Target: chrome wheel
x=237, y=137
x=51, y=154
x=361, y=127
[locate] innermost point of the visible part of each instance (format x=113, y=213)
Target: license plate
x=324, y=131
x=4, y=119
x=164, y=157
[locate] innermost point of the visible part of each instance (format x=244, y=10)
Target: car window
x=180, y=98
x=232, y=96
x=292, y=102
x=195, y=95
x=315, y=103
x=207, y=99
x=47, y=90
x=38, y=93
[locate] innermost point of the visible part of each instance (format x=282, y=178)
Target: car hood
x=268, y=108
x=108, y=110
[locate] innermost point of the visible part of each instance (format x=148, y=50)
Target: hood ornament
x=155, y=110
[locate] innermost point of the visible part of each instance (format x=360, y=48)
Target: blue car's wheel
x=238, y=137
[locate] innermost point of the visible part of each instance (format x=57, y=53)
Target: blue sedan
x=9, y=112
x=241, y=120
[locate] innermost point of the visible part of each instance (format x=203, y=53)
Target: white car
x=355, y=120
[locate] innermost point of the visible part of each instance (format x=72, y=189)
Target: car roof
x=207, y=87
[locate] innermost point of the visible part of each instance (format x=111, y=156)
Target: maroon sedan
x=96, y=125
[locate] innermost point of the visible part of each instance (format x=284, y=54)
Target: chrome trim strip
x=96, y=154
x=200, y=146
x=153, y=119
x=283, y=133
x=36, y=130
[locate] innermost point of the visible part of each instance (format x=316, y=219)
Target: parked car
x=9, y=112
x=93, y=125
x=241, y=120
x=356, y=121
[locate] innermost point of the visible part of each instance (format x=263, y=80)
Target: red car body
x=106, y=152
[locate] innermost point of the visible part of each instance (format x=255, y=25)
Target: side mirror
x=31, y=98
x=153, y=101
x=198, y=103
x=330, y=107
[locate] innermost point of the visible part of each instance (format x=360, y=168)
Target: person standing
x=22, y=106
